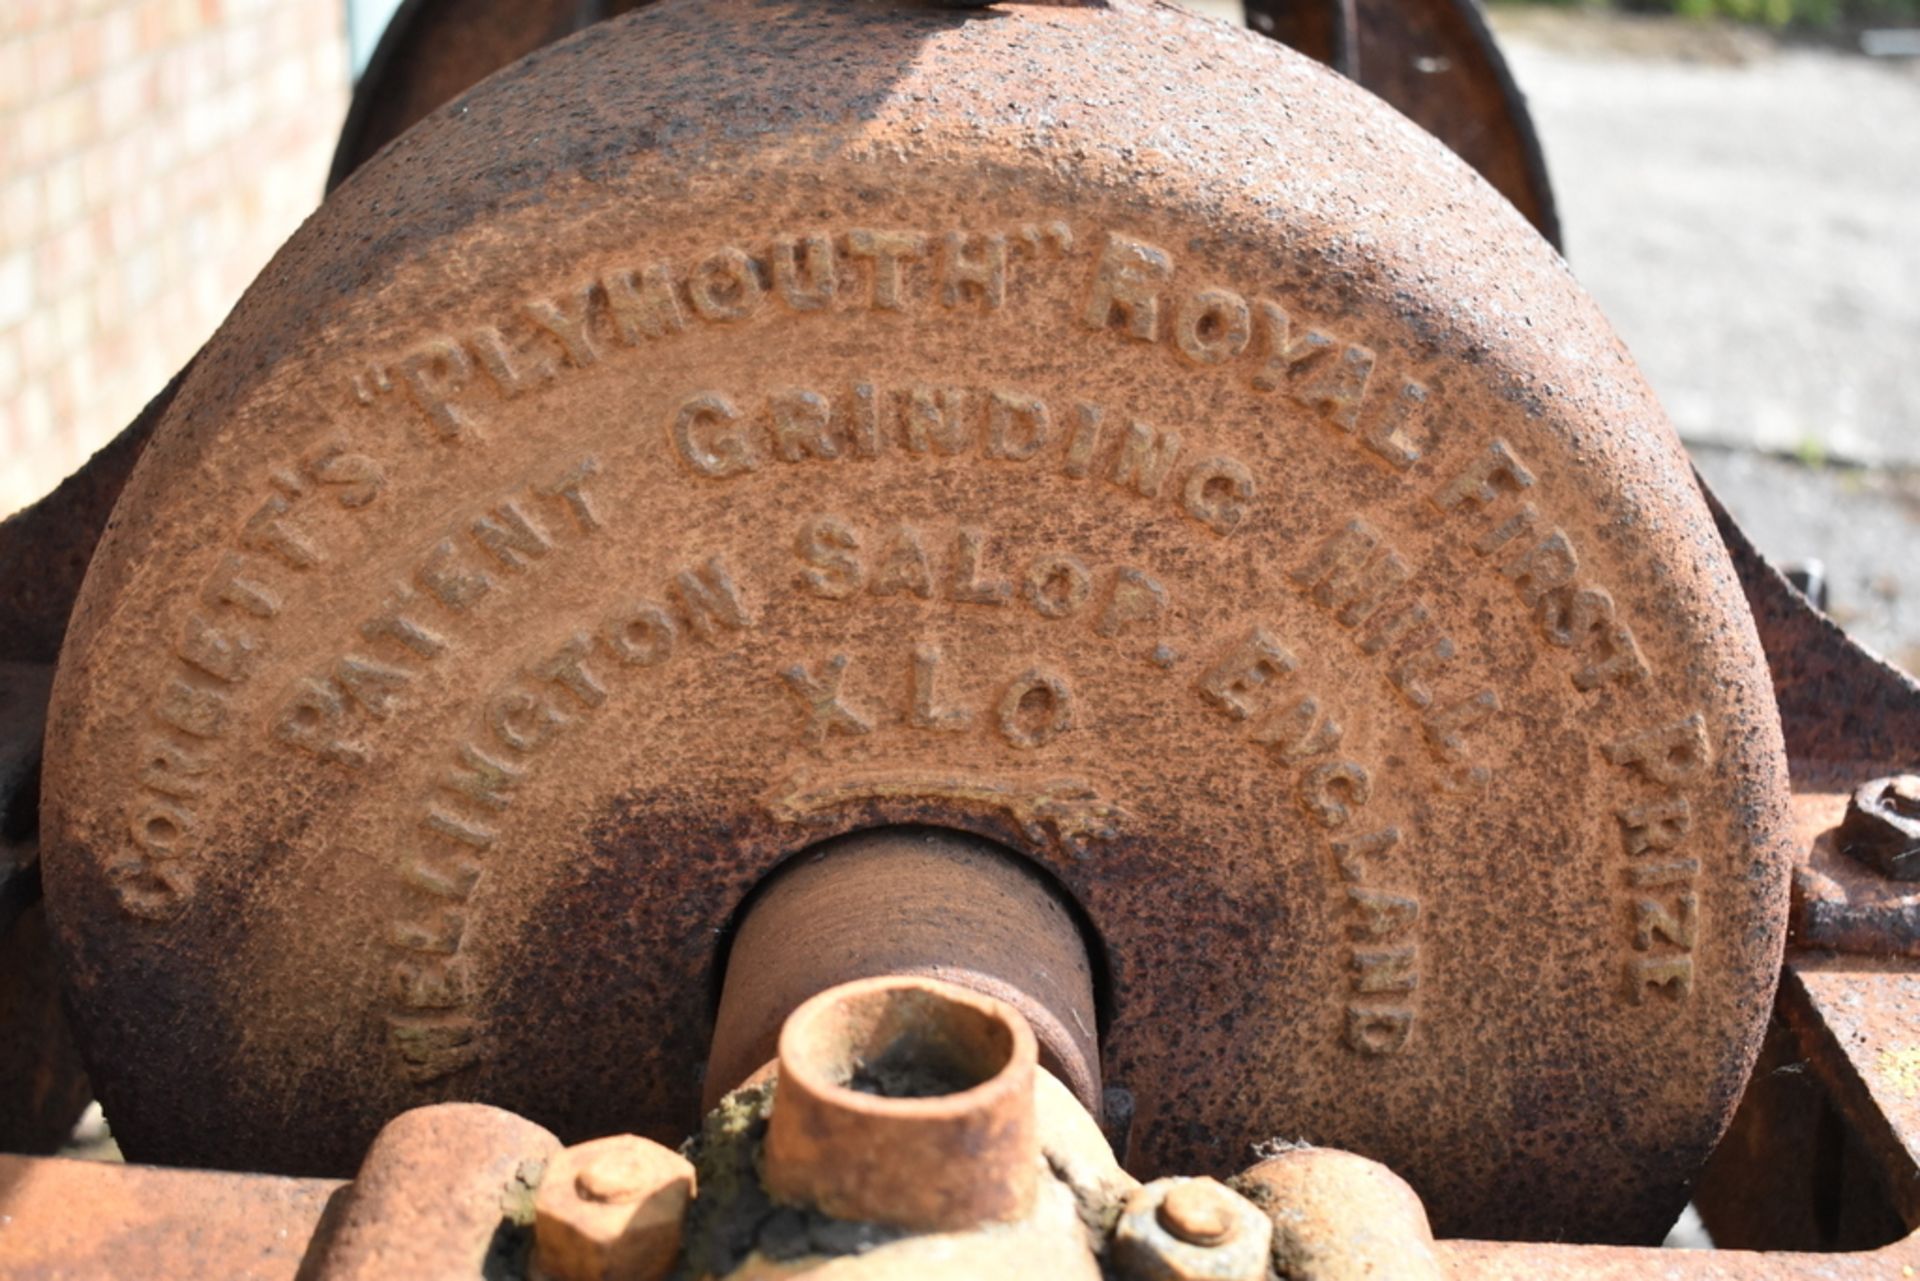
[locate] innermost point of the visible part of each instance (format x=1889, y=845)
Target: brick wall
x=153, y=155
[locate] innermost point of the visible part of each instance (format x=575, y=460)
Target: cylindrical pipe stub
x=909, y=900
x=1341, y=1217
x=905, y=1101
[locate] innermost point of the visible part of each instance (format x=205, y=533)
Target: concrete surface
x=1747, y=212
x=1859, y=523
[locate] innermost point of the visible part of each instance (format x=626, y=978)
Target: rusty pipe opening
x=905, y=1101
x=924, y=901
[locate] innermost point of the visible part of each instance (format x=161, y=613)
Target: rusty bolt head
x=1882, y=826
x=618, y=1177
x=1903, y=795
x=611, y=1210
x=1199, y=1212
x=1191, y=1230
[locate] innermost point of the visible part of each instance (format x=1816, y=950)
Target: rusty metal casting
x=432, y=51
x=941, y=904
x=1839, y=1060
x=1846, y=714
x=908, y=1102
x=44, y=552
x=1028, y=543
x=1882, y=826
x=43, y=1089
x=1435, y=61
x=1191, y=1230
x=1325, y=30
x=555, y=542
x=42, y=1084
x=1066, y=1188
x=45, y=548
x=24, y=688
x=611, y=1210
x=66, y=1220
x=1341, y=1217
x=443, y=1194
x=1841, y=904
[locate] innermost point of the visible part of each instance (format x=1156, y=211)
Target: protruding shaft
x=909, y=900
x=905, y=1101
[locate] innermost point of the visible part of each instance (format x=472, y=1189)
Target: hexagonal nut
x=1191, y=1230
x=611, y=1210
x=1882, y=826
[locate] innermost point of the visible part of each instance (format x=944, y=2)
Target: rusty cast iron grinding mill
x=933, y=584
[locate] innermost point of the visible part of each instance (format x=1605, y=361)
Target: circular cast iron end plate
x=1093, y=428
